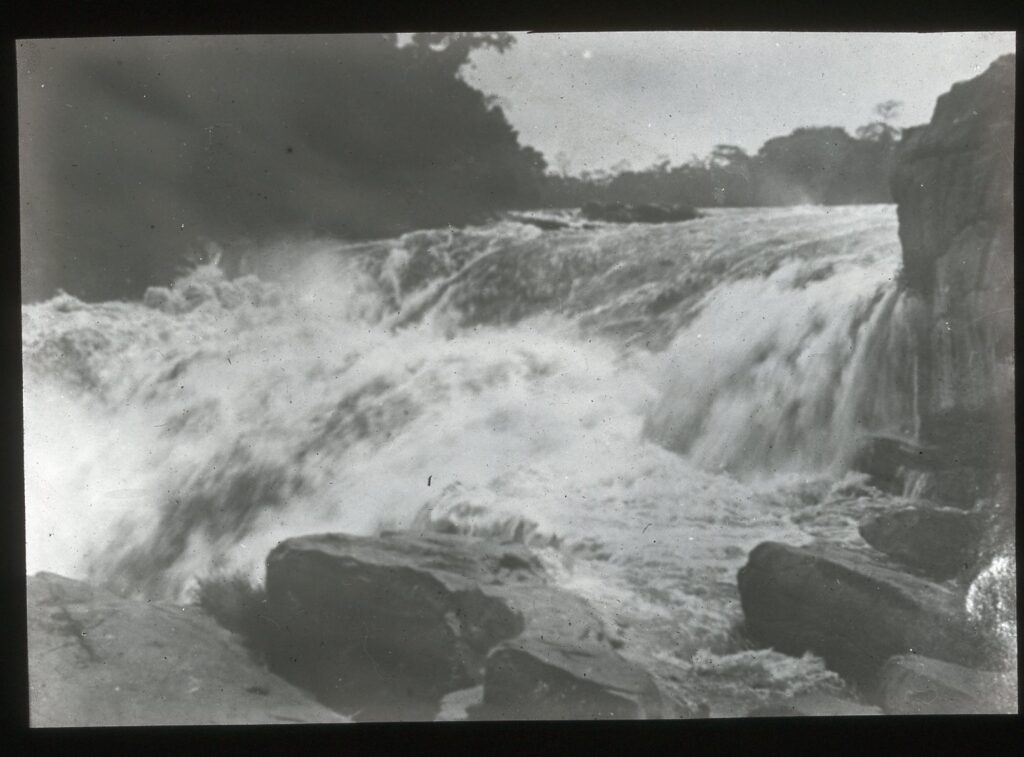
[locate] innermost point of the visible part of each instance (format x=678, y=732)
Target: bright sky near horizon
x=599, y=98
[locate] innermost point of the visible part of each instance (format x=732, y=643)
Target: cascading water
x=642, y=403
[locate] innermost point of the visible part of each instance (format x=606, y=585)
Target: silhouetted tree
x=732, y=175
x=888, y=110
x=821, y=165
x=352, y=137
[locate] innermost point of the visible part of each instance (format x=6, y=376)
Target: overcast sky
x=604, y=97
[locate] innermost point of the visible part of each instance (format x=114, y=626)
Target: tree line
x=816, y=165
x=151, y=152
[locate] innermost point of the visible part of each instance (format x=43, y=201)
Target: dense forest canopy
x=137, y=152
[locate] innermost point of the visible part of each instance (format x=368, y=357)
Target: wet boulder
x=545, y=224
x=564, y=666
x=957, y=486
x=385, y=627
x=533, y=678
x=388, y=628
x=95, y=659
x=915, y=685
x=849, y=610
x=942, y=473
x=939, y=541
x=887, y=460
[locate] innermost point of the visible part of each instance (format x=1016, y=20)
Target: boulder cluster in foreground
x=435, y=626
x=96, y=659
x=906, y=642
x=439, y=626
x=396, y=627
x=389, y=626
x=409, y=627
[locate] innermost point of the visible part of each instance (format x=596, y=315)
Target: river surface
x=642, y=404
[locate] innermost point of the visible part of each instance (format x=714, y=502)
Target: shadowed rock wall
x=953, y=184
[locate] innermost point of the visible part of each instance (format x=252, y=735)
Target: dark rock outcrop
x=388, y=626
x=888, y=460
x=95, y=659
x=538, y=678
x=385, y=627
x=914, y=685
x=852, y=612
x=958, y=486
x=943, y=472
x=619, y=212
x=953, y=184
x=940, y=541
x=562, y=666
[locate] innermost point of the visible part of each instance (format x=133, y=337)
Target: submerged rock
x=850, y=611
x=937, y=540
x=915, y=685
x=95, y=659
x=618, y=212
x=386, y=627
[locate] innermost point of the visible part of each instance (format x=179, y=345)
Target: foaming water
x=792, y=380
x=642, y=404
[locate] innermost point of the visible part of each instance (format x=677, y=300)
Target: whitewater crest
x=643, y=404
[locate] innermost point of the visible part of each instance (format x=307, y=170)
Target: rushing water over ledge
x=643, y=404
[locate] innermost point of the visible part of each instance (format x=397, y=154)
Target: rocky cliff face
x=926, y=623
x=954, y=187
